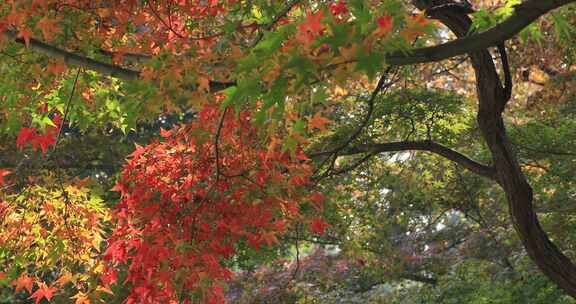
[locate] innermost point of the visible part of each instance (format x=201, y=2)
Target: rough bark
x=492, y=98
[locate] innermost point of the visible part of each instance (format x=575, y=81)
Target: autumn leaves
x=189, y=204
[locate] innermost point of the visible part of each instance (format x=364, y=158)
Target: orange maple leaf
x=269, y=238
x=43, y=292
x=23, y=281
x=313, y=23
x=165, y=133
x=56, y=67
x=48, y=26
x=318, y=122
x=147, y=74
x=274, y=142
x=415, y=27
x=203, y=84
x=25, y=34
x=3, y=173
x=81, y=298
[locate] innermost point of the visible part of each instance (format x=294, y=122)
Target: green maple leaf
x=369, y=63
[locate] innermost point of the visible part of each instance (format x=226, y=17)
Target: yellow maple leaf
x=104, y=289
x=65, y=278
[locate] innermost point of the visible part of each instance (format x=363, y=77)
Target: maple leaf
x=338, y=8
x=64, y=279
x=348, y=53
x=317, y=200
x=415, y=27
x=269, y=238
x=48, y=26
x=254, y=241
x=419, y=19
x=203, y=84
x=25, y=135
x=104, y=289
x=310, y=29
x=237, y=215
x=44, y=141
x=23, y=281
x=81, y=298
x=3, y=173
x=43, y=292
x=274, y=142
x=385, y=25
x=313, y=22
x=165, y=133
x=138, y=151
x=147, y=73
x=318, y=226
x=56, y=68
x=318, y=122
x=25, y=34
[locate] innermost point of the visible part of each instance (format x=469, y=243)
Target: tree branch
x=523, y=16
x=75, y=59
x=103, y=68
x=429, y=146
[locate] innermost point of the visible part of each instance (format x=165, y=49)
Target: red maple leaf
x=385, y=23
x=313, y=22
x=24, y=136
x=317, y=200
x=338, y=8
x=165, y=133
x=318, y=225
x=44, y=141
x=311, y=28
x=138, y=151
x=43, y=292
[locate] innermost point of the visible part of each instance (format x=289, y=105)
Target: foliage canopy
x=258, y=151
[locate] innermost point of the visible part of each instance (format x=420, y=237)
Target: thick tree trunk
x=492, y=100
x=543, y=252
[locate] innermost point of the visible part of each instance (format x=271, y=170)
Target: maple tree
x=274, y=100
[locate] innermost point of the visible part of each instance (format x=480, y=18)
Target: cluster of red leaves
x=37, y=139
x=189, y=200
